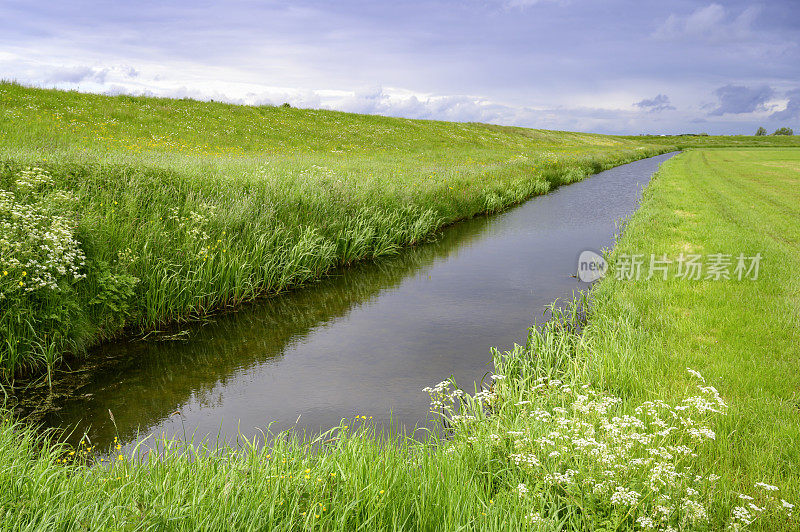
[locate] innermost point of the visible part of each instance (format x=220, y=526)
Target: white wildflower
x=742, y=515
x=696, y=374
x=536, y=518
x=766, y=487
x=525, y=459
x=694, y=510
x=624, y=496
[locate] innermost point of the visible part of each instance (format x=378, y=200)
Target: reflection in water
x=143, y=382
x=365, y=340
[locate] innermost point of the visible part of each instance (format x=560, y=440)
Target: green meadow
x=651, y=403
x=721, y=141
x=124, y=214
x=741, y=334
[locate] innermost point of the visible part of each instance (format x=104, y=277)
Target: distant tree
x=761, y=132
x=784, y=131
x=286, y=105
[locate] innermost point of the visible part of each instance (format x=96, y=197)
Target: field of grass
x=721, y=141
x=595, y=424
x=128, y=213
x=743, y=335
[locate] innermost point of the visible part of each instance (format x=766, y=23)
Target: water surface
x=364, y=341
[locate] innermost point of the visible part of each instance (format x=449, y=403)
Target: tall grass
x=179, y=208
x=537, y=449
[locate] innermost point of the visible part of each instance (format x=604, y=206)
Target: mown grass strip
x=741, y=334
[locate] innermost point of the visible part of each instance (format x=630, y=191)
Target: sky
x=605, y=66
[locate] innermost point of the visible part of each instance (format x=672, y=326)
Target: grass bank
x=743, y=335
x=130, y=213
x=603, y=429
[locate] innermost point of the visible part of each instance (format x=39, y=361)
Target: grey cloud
x=738, y=99
x=711, y=23
x=655, y=105
x=792, y=110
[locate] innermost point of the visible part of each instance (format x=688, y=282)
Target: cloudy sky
x=609, y=66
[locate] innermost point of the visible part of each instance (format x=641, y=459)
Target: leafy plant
x=114, y=298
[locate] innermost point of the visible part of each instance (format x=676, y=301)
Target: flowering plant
x=575, y=451
x=40, y=259
x=38, y=248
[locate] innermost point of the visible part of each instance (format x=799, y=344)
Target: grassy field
x=595, y=424
x=721, y=141
x=743, y=335
x=129, y=213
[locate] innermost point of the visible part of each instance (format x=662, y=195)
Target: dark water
x=362, y=342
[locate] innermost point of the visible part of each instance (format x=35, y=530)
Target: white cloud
x=596, y=111
x=173, y=82
x=791, y=110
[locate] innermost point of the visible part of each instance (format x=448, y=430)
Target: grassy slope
x=182, y=207
x=742, y=335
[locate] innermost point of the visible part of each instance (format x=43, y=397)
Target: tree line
x=780, y=131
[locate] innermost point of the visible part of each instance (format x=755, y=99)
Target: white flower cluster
x=456, y=406
x=194, y=224
x=530, y=460
x=38, y=247
x=742, y=516
x=542, y=523
x=582, y=448
x=624, y=497
x=442, y=397
x=32, y=179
